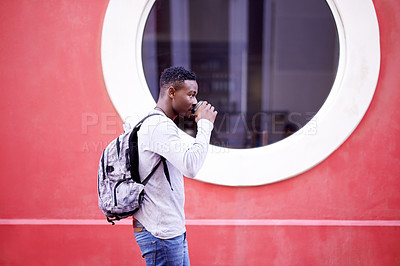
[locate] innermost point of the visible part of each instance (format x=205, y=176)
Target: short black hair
x=173, y=76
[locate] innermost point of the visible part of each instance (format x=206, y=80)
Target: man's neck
x=166, y=110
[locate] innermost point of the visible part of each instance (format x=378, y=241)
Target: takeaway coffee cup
x=196, y=108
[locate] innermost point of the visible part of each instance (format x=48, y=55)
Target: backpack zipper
x=115, y=190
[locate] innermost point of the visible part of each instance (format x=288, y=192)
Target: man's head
x=174, y=77
x=178, y=90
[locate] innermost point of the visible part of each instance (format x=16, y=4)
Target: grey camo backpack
x=118, y=182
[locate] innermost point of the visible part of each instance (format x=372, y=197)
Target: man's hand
x=206, y=111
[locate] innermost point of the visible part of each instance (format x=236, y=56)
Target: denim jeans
x=171, y=252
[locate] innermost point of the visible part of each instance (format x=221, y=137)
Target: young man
x=159, y=224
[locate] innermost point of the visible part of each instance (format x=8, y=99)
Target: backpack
x=118, y=181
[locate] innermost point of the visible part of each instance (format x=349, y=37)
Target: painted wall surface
x=56, y=117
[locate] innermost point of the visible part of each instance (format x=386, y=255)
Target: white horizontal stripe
x=211, y=222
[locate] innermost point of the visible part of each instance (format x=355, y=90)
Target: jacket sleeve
x=187, y=157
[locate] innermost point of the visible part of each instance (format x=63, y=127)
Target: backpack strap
x=118, y=146
x=166, y=172
x=151, y=173
x=102, y=165
x=134, y=156
x=133, y=150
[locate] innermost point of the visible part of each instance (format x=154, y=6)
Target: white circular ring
x=351, y=94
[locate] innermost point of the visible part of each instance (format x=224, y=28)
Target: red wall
x=56, y=118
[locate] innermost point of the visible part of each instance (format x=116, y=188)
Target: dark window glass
x=266, y=65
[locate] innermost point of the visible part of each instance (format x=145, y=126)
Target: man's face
x=184, y=98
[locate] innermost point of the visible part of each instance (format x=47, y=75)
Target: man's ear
x=171, y=92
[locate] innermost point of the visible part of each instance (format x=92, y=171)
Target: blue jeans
x=172, y=252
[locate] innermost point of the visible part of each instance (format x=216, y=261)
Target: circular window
x=346, y=104
x=267, y=66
